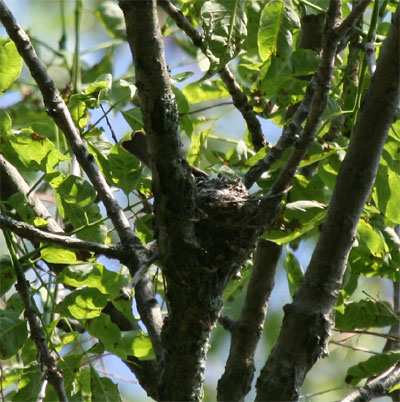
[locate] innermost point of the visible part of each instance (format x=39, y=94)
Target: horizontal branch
x=34, y=234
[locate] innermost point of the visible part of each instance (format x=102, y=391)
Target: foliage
x=74, y=289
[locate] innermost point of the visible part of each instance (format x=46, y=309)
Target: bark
x=310, y=314
x=203, y=233
x=236, y=381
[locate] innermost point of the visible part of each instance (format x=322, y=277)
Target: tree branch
x=377, y=387
x=58, y=110
x=288, y=137
x=290, y=131
x=309, y=316
x=11, y=182
x=34, y=234
x=352, y=19
x=45, y=358
x=236, y=381
x=239, y=98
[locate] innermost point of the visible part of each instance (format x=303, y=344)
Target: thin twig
x=239, y=98
x=394, y=315
x=357, y=349
x=114, y=137
x=365, y=332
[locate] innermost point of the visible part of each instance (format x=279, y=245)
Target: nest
x=223, y=231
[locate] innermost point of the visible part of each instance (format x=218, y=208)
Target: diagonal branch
x=310, y=314
x=292, y=130
x=58, y=110
x=236, y=381
x=11, y=182
x=239, y=98
x=288, y=137
x=377, y=387
x=46, y=359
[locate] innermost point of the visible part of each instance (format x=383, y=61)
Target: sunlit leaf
x=93, y=276
x=29, y=385
x=83, y=303
x=371, y=238
x=299, y=218
x=138, y=344
x=10, y=64
x=58, y=255
x=275, y=32
x=205, y=90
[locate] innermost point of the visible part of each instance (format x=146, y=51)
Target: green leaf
x=7, y=274
x=10, y=64
x=364, y=314
x=79, y=110
x=371, y=238
x=108, y=334
x=112, y=18
x=299, y=218
x=29, y=150
x=125, y=170
x=134, y=118
x=197, y=92
x=29, y=385
x=224, y=23
x=94, y=276
x=387, y=194
x=13, y=333
x=75, y=200
x=235, y=286
x=138, y=344
x=304, y=62
x=82, y=304
x=372, y=367
x=294, y=272
x=103, y=389
x=143, y=231
x=84, y=379
x=5, y=124
x=58, y=255
x=275, y=32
